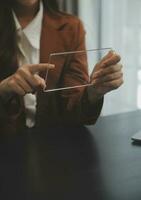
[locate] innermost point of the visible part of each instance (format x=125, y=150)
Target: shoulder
x=72, y=20
x=62, y=20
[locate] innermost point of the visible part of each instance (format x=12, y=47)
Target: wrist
x=5, y=95
x=93, y=95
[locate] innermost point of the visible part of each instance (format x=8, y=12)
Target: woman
x=29, y=31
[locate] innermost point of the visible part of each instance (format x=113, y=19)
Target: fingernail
x=51, y=65
x=112, y=51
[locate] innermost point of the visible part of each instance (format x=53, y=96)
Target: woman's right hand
x=25, y=80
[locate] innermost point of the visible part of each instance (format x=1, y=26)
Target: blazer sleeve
x=75, y=101
x=10, y=112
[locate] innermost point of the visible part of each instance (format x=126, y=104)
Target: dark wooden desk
x=80, y=163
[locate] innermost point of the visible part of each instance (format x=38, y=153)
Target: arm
x=85, y=104
x=76, y=104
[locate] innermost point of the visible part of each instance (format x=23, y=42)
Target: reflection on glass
x=72, y=69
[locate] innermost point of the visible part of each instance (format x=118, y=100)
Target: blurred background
x=115, y=24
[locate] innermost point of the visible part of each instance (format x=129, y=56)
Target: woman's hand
x=106, y=76
x=25, y=80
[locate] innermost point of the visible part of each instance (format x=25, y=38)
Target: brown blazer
x=59, y=33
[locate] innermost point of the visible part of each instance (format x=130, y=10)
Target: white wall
x=89, y=13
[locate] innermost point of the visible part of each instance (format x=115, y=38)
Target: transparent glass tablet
x=72, y=69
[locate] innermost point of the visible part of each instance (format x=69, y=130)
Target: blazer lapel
x=51, y=42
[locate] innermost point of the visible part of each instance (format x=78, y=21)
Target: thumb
x=40, y=80
x=108, y=55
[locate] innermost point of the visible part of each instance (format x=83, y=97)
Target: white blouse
x=29, y=53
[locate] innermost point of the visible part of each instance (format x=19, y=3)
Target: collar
x=33, y=30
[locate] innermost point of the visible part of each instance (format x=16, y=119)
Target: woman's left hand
x=106, y=76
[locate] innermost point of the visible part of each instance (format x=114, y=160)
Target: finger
x=16, y=88
x=28, y=77
x=23, y=84
x=40, y=67
x=41, y=81
x=109, y=70
x=112, y=85
x=101, y=64
x=19, y=90
x=114, y=59
x=109, y=77
x=107, y=56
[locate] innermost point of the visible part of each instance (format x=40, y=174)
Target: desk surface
x=83, y=163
